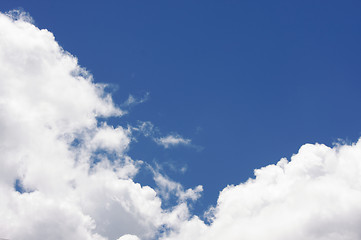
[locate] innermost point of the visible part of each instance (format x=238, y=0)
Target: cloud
x=167, y=187
x=172, y=140
x=132, y=101
x=316, y=195
x=110, y=139
x=64, y=173
x=128, y=237
x=149, y=130
x=146, y=128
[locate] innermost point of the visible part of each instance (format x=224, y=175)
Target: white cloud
x=132, y=101
x=172, y=140
x=52, y=144
x=110, y=139
x=167, y=187
x=146, y=128
x=128, y=237
x=316, y=195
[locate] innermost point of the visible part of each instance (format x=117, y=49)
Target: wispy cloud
x=167, y=187
x=172, y=140
x=146, y=128
x=132, y=100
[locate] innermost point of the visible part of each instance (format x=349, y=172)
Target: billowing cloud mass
x=65, y=174
x=316, y=195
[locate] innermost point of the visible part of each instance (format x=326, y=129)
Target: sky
x=198, y=95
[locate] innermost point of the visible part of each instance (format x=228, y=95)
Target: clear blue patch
x=19, y=186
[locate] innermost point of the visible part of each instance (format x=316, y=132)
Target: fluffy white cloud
x=316, y=195
x=128, y=237
x=172, y=140
x=110, y=139
x=65, y=175
x=56, y=178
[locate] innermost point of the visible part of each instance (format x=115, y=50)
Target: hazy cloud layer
x=65, y=175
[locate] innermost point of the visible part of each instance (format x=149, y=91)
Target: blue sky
x=248, y=82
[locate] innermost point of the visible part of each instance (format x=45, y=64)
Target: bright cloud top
x=66, y=175
x=316, y=195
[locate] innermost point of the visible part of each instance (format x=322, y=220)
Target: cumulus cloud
x=64, y=174
x=316, y=195
x=172, y=140
x=128, y=237
x=110, y=139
